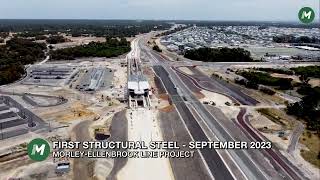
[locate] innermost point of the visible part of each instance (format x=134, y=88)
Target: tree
x=156, y=48
x=56, y=39
x=16, y=53
x=111, y=48
x=219, y=55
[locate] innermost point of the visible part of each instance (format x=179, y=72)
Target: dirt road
x=82, y=167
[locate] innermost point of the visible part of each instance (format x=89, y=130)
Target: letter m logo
x=306, y=14
x=37, y=149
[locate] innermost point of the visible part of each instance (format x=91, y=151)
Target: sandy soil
x=76, y=41
x=314, y=82
x=143, y=125
x=310, y=170
x=295, y=78
x=220, y=71
x=260, y=121
x=103, y=167
x=218, y=99
x=231, y=112
x=42, y=168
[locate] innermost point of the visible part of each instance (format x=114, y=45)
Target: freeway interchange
x=204, y=125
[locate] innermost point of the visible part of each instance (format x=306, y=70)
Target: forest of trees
x=99, y=28
x=180, y=28
x=3, y=34
x=219, y=55
x=56, y=39
x=14, y=55
x=266, y=79
x=308, y=108
x=307, y=71
x=111, y=48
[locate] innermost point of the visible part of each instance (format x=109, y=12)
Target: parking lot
x=48, y=75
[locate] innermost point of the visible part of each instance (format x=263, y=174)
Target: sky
x=242, y=10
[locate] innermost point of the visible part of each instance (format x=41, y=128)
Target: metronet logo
x=306, y=15
x=38, y=149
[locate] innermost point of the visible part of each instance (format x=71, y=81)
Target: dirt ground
x=76, y=41
x=294, y=78
x=311, y=141
x=144, y=126
x=218, y=99
x=314, y=82
x=308, y=145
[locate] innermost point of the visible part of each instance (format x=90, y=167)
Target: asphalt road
x=220, y=86
x=251, y=167
x=242, y=158
x=274, y=156
x=173, y=129
x=211, y=157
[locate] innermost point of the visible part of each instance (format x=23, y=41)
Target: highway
x=220, y=86
x=176, y=88
x=251, y=170
x=213, y=160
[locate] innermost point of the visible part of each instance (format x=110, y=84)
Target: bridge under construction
x=138, y=85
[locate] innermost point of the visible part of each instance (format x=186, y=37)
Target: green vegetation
x=307, y=71
x=172, y=31
x=4, y=35
x=308, y=108
x=99, y=28
x=305, y=89
x=16, y=53
x=247, y=84
x=56, y=39
x=111, y=48
x=266, y=79
x=270, y=114
x=267, y=91
x=219, y=55
x=28, y=34
x=156, y=48
x=312, y=141
x=40, y=37
x=274, y=70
